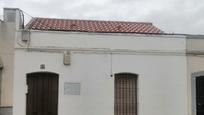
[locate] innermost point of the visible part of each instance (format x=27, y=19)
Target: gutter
x=111, y=34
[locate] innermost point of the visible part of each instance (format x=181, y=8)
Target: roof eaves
x=153, y=33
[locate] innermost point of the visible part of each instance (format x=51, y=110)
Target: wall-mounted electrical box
x=25, y=35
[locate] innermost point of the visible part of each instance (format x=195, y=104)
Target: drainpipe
x=1, y=68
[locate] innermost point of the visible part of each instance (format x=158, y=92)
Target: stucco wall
x=7, y=54
x=94, y=57
x=195, y=44
x=106, y=41
x=162, y=81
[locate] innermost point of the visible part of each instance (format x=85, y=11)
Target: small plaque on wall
x=72, y=88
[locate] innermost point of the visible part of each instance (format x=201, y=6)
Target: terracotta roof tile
x=50, y=24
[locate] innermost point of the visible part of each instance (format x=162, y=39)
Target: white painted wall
x=162, y=77
x=106, y=41
x=162, y=82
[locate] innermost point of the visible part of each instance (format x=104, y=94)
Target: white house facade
x=95, y=59
x=97, y=73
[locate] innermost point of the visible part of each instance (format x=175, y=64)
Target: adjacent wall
x=12, y=21
x=195, y=64
x=7, y=36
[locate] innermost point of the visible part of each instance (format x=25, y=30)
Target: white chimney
x=14, y=15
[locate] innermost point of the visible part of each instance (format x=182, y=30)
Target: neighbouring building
x=88, y=67
x=8, y=29
x=195, y=73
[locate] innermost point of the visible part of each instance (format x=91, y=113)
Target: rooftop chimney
x=14, y=15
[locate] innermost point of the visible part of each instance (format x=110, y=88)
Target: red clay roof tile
x=50, y=24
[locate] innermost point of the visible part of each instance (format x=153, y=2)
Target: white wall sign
x=72, y=88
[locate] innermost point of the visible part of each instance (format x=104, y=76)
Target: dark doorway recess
x=42, y=95
x=125, y=94
x=200, y=95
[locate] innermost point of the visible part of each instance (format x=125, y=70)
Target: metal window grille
x=125, y=94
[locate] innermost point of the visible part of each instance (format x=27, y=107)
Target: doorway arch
x=42, y=94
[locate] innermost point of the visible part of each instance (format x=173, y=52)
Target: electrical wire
x=27, y=14
x=44, y=25
x=111, y=64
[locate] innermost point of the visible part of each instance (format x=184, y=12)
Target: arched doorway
x=42, y=95
x=125, y=94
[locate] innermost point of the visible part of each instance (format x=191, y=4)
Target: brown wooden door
x=125, y=94
x=42, y=95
